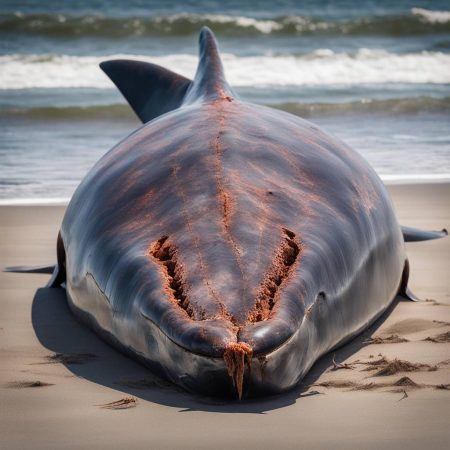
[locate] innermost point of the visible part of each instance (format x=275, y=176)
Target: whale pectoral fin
x=150, y=90
x=30, y=269
x=58, y=277
x=59, y=273
x=415, y=235
x=404, y=290
x=57, y=270
x=408, y=295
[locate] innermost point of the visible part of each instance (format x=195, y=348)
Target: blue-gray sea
x=376, y=74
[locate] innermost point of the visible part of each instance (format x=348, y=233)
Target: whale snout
x=218, y=358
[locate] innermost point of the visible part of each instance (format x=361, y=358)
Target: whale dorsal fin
x=152, y=90
x=209, y=82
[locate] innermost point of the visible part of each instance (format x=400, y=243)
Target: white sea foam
x=264, y=26
x=29, y=201
x=322, y=67
x=415, y=178
x=432, y=16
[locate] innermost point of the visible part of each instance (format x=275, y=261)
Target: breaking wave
x=418, y=21
x=322, y=67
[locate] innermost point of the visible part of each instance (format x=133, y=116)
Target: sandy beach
x=56, y=376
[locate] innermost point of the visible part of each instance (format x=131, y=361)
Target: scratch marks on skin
x=267, y=206
x=305, y=185
x=224, y=198
x=196, y=240
x=321, y=297
x=224, y=96
x=366, y=195
x=265, y=202
x=285, y=260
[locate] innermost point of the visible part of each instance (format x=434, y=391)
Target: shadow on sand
x=60, y=332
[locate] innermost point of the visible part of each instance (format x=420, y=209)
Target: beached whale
x=227, y=245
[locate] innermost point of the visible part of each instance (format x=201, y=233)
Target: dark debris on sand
x=392, y=339
x=406, y=381
x=339, y=366
x=123, y=403
x=440, y=338
x=28, y=384
x=387, y=367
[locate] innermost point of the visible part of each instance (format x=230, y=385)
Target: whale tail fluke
x=152, y=90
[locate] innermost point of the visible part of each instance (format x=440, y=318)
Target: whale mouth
x=232, y=351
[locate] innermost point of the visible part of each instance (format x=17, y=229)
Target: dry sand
x=61, y=387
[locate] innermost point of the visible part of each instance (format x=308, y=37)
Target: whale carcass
x=224, y=244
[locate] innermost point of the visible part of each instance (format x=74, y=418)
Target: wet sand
x=59, y=382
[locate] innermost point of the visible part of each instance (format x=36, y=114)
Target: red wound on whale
x=285, y=259
x=165, y=254
x=236, y=354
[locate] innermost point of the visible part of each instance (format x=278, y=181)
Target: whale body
x=224, y=244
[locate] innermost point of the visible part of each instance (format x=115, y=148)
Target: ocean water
x=375, y=74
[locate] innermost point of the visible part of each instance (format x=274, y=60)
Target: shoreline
x=56, y=376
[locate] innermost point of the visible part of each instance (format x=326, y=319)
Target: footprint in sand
x=412, y=326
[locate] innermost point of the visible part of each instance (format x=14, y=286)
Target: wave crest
x=322, y=67
x=419, y=21
x=430, y=16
